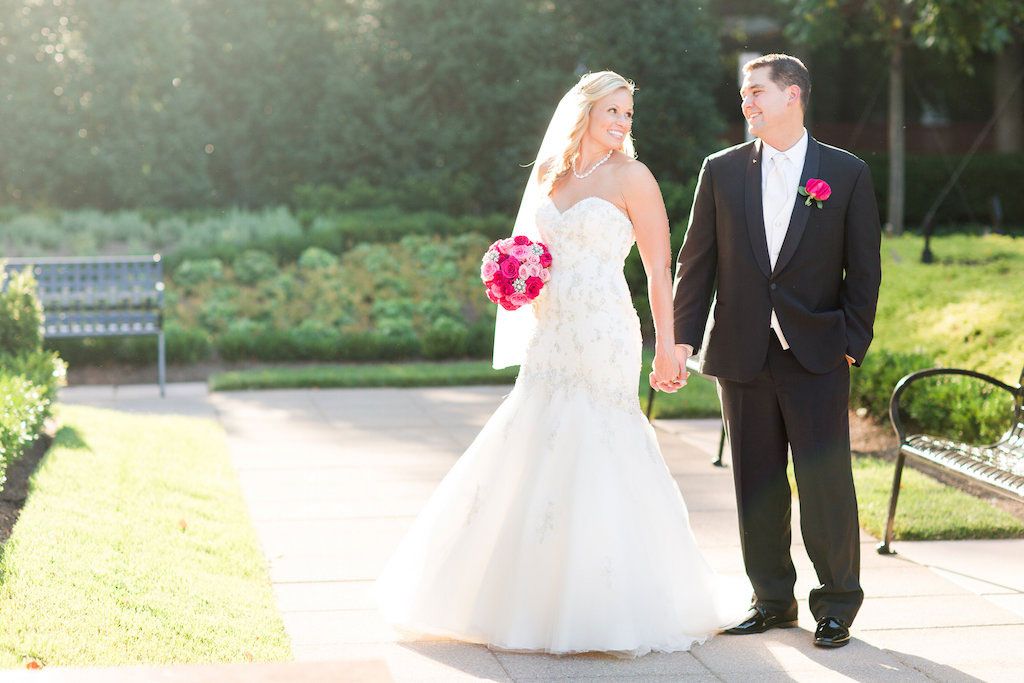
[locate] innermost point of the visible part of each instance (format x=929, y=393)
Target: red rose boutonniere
x=816, y=191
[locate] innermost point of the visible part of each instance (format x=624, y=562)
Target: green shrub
x=192, y=273
x=480, y=339
x=446, y=338
x=21, y=314
x=314, y=340
x=315, y=258
x=254, y=266
x=872, y=384
x=44, y=369
x=219, y=309
x=186, y=344
x=23, y=407
x=956, y=407
x=985, y=175
x=239, y=340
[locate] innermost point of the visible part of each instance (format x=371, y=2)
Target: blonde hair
x=590, y=89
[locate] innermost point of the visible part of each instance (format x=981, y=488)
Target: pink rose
x=519, y=299
x=520, y=252
x=506, y=288
x=494, y=289
x=493, y=297
x=818, y=189
x=533, y=258
x=510, y=267
x=545, y=275
x=522, y=239
x=545, y=259
x=508, y=305
x=528, y=270
x=488, y=270
x=505, y=244
x=533, y=287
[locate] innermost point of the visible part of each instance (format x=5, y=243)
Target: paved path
x=334, y=477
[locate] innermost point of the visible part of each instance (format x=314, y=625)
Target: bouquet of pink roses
x=515, y=270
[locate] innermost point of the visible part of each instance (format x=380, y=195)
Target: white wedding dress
x=560, y=529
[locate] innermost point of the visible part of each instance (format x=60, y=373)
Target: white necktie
x=775, y=195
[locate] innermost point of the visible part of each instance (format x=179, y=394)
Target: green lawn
x=698, y=398
x=964, y=309
x=135, y=546
x=927, y=509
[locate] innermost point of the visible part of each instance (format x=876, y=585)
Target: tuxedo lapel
x=755, y=215
x=798, y=221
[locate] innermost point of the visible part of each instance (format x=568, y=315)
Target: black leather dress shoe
x=831, y=632
x=760, y=620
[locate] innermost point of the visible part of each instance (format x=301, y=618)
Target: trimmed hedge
x=29, y=376
x=960, y=408
x=22, y=411
x=985, y=176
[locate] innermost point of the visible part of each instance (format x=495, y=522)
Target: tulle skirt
x=559, y=530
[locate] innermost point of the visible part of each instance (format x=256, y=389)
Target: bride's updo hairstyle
x=591, y=88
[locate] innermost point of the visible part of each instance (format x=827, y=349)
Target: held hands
x=669, y=372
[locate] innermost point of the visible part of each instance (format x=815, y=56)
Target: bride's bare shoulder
x=543, y=167
x=632, y=172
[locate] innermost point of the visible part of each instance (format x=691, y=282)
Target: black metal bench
x=692, y=366
x=100, y=297
x=998, y=467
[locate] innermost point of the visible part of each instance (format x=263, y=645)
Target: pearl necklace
x=594, y=168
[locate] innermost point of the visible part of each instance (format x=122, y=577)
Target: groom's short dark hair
x=785, y=71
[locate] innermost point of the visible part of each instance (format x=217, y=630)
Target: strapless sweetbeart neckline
x=584, y=200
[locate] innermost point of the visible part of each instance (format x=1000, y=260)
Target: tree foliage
x=961, y=28
x=191, y=103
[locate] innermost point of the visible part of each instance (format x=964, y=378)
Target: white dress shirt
x=778, y=197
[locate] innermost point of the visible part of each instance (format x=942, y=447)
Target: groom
x=795, y=281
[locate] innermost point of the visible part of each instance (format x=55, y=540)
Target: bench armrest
x=894, y=408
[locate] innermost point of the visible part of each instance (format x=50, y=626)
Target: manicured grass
x=928, y=510
x=698, y=399
x=963, y=309
x=135, y=546
x=413, y=374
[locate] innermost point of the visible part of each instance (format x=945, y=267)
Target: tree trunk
x=1010, y=124
x=897, y=135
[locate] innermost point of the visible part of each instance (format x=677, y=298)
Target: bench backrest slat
x=104, y=296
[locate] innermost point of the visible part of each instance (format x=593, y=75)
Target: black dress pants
x=786, y=408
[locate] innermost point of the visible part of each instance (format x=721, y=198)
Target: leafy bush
x=185, y=344
x=315, y=258
x=314, y=340
x=23, y=407
x=985, y=176
x=192, y=273
x=21, y=314
x=957, y=407
x=451, y=193
x=342, y=232
x=239, y=340
x=29, y=376
x=446, y=338
x=254, y=266
x=44, y=369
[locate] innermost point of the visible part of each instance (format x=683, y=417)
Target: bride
x=560, y=529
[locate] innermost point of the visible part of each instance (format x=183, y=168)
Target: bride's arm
x=650, y=223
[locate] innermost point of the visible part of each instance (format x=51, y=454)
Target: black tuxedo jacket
x=824, y=287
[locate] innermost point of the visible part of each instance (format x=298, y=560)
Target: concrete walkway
x=333, y=478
